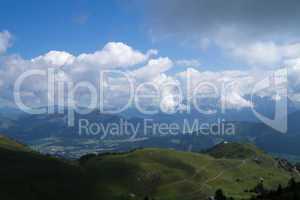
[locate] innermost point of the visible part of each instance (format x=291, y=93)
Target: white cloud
x=230, y=87
x=55, y=58
x=146, y=67
x=115, y=55
x=170, y=93
x=267, y=54
x=260, y=37
x=293, y=67
x=153, y=68
x=5, y=41
x=84, y=67
x=258, y=53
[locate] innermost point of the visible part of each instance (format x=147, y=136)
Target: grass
x=182, y=175
x=235, y=151
x=160, y=173
x=11, y=144
x=28, y=175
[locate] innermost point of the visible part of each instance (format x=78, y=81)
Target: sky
x=74, y=26
x=84, y=26
x=156, y=41
x=204, y=30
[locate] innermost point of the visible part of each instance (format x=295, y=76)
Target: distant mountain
x=30, y=127
x=10, y=113
x=33, y=129
x=293, y=123
x=275, y=142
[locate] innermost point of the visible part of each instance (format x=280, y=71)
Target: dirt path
x=205, y=184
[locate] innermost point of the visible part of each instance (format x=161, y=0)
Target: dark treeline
x=291, y=192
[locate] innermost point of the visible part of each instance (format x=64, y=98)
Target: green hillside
x=235, y=151
x=7, y=143
x=31, y=176
x=147, y=173
x=168, y=174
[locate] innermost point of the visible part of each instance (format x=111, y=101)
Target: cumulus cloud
x=5, y=41
x=55, y=59
x=115, y=55
x=170, y=92
x=153, y=68
x=84, y=67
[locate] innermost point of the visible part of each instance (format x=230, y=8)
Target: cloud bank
x=259, y=32
x=175, y=89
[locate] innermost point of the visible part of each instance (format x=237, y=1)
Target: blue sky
x=230, y=32
x=75, y=26
x=84, y=26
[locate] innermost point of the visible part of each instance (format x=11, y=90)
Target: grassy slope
x=28, y=175
x=168, y=174
x=164, y=174
x=235, y=151
x=7, y=143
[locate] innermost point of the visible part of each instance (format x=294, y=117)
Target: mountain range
x=35, y=129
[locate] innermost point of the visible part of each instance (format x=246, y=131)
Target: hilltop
x=235, y=151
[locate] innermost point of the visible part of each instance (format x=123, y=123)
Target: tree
x=146, y=198
x=292, y=183
x=260, y=189
x=220, y=195
x=149, y=182
x=279, y=189
x=85, y=158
